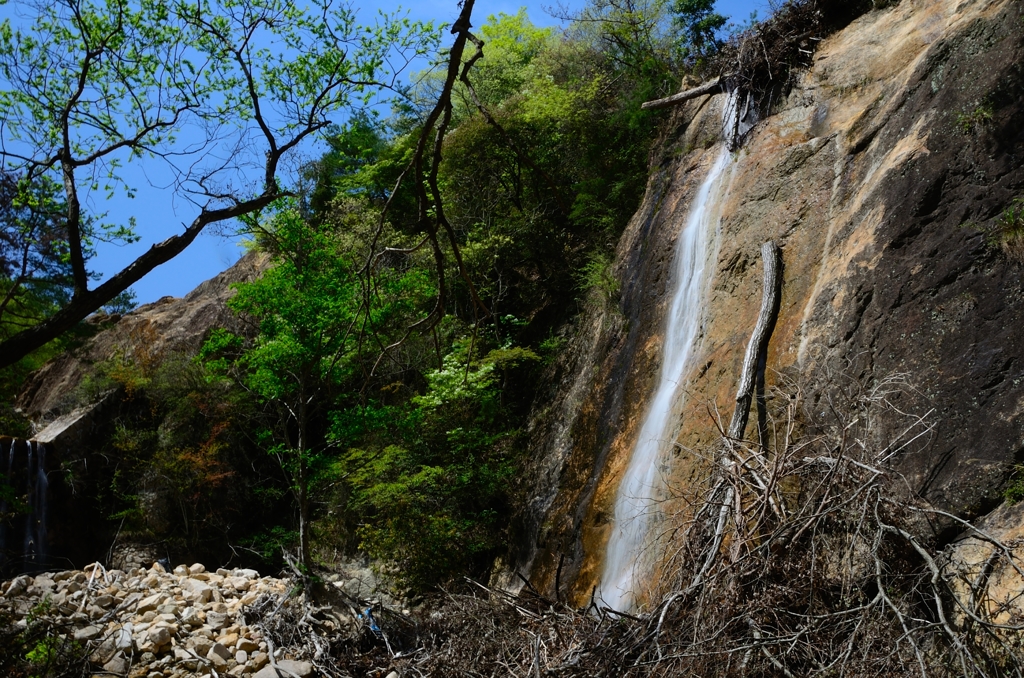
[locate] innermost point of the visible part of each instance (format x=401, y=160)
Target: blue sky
x=160, y=217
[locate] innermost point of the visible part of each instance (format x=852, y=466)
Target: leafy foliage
x=89, y=90
x=1010, y=229
x=386, y=372
x=700, y=25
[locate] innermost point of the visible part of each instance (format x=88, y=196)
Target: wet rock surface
x=881, y=176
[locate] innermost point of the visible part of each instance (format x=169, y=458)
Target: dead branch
x=711, y=87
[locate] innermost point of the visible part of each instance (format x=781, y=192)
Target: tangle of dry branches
x=803, y=554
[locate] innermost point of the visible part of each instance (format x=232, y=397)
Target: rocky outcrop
x=981, y=574
x=880, y=177
x=146, y=335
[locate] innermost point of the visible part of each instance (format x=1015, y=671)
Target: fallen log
x=706, y=88
x=758, y=340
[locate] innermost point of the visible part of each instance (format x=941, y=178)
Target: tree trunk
x=85, y=302
x=758, y=345
x=675, y=99
x=303, y=486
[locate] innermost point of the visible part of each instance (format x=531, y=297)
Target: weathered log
x=758, y=344
x=706, y=88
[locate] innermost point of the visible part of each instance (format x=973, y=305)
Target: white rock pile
x=157, y=624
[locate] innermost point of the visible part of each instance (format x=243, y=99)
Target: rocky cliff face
x=881, y=176
x=70, y=421
x=146, y=334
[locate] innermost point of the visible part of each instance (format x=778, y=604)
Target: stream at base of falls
x=635, y=502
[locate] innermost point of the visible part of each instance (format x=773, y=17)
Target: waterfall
x=634, y=503
x=38, y=488
x=28, y=519
x=3, y=502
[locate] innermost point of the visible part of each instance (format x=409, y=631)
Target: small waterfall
x=3, y=503
x=28, y=519
x=634, y=503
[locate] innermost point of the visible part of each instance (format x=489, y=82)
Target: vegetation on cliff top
x=390, y=354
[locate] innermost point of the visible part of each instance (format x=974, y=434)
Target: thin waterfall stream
x=23, y=537
x=635, y=501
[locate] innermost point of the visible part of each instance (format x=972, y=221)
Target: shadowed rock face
x=77, y=531
x=152, y=330
x=880, y=177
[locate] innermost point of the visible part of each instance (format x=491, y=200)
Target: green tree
x=204, y=93
x=301, y=310
x=314, y=331
x=434, y=497
x=700, y=25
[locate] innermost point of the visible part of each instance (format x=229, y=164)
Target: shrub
x=1010, y=231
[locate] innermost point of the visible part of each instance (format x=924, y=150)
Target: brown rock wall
x=152, y=330
x=865, y=177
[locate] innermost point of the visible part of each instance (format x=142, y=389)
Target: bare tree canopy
x=211, y=95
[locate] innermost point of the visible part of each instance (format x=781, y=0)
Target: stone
x=104, y=601
x=88, y=633
x=216, y=620
x=190, y=617
x=246, y=645
x=221, y=651
x=116, y=665
x=228, y=639
x=104, y=653
x=196, y=568
x=201, y=645
x=259, y=660
x=393, y=674
x=301, y=669
x=238, y=670
x=150, y=603
x=218, y=661
x=181, y=570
